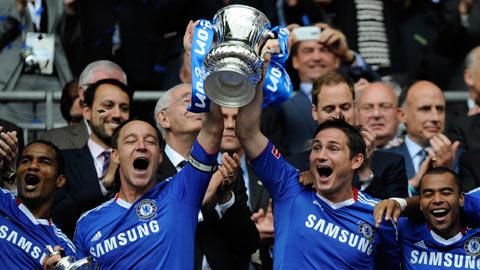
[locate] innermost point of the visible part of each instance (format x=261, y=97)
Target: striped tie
x=106, y=161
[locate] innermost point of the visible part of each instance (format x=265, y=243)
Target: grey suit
x=69, y=137
x=11, y=76
x=12, y=65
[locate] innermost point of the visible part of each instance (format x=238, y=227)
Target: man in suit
x=89, y=171
x=422, y=110
x=466, y=129
x=75, y=136
x=471, y=76
x=311, y=59
x=383, y=174
x=469, y=171
x=376, y=106
x=225, y=235
x=36, y=17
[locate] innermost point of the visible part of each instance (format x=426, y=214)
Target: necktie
x=422, y=155
x=106, y=162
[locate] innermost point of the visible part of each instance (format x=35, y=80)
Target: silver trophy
x=69, y=263
x=235, y=66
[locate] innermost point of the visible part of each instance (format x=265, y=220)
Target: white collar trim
x=336, y=205
x=446, y=242
x=30, y=216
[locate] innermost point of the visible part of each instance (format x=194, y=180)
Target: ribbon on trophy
x=201, y=44
x=277, y=85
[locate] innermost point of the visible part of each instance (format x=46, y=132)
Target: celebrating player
x=148, y=226
x=331, y=228
x=441, y=240
x=25, y=224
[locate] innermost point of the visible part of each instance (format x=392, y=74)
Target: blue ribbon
x=277, y=85
x=201, y=44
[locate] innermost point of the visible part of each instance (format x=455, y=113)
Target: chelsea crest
x=146, y=209
x=366, y=230
x=472, y=246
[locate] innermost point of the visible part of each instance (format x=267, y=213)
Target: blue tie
x=106, y=162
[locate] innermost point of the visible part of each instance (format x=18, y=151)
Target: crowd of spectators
x=383, y=65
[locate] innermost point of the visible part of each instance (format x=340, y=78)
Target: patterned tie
x=422, y=155
x=106, y=161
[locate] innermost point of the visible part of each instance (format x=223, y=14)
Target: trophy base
x=229, y=88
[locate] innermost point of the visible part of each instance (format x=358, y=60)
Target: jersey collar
x=339, y=204
x=121, y=202
x=33, y=219
x=448, y=241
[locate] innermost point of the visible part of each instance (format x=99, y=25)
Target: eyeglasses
x=382, y=108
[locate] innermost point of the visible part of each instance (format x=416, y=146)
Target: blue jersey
x=425, y=250
x=155, y=232
x=314, y=233
x=23, y=238
x=471, y=207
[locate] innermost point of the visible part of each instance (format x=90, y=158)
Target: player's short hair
x=89, y=95
x=58, y=154
x=439, y=171
x=330, y=79
x=355, y=141
x=116, y=134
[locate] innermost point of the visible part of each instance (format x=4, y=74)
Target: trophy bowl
x=234, y=64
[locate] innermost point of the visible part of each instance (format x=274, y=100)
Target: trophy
x=235, y=66
x=69, y=263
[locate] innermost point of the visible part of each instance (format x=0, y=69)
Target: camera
x=307, y=33
x=30, y=60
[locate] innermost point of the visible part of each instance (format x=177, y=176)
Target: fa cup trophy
x=234, y=64
x=69, y=263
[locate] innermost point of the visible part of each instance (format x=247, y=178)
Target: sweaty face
x=37, y=174
x=110, y=108
x=179, y=119
x=230, y=142
x=377, y=109
x=333, y=101
x=331, y=164
x=424, y=112
x=440, y=202
x=138, y=155
x=313, y=60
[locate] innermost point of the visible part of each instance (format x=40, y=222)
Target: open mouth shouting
x=439, y=214
x=324, y=172
x=140, y=165
x=31, y=182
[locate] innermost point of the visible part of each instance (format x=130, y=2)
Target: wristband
x=401, y=202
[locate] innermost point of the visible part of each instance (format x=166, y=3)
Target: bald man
x=377, y=110
x=422, y=110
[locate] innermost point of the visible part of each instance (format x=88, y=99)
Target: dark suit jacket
x=402, y=150
x=467, y=131
x=388, y=169
x=455, y=111
x=469, y=171
x=227, y=242
x=81, y=192
x=69, y=137
x=299, y=126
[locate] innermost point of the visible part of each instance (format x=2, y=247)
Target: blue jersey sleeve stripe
x=202, y=156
